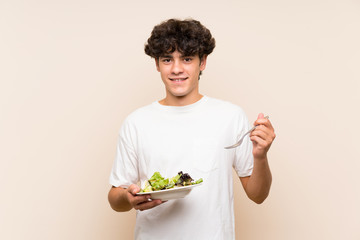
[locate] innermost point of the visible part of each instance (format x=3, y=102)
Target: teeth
x=178, y=80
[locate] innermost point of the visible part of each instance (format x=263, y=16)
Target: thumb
x=133, y=189
x=261, y=115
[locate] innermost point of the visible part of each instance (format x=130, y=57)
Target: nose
x=177, y=67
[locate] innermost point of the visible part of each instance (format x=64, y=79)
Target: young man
x=187, y=131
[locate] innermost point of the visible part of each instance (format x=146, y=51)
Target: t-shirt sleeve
x=244, y=160
x=125, y=168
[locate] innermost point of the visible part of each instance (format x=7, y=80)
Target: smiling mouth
x=178, y=79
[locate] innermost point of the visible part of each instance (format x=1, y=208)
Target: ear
x=157, y=64
x=203, y=63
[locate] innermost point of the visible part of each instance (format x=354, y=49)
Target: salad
x=157, y=182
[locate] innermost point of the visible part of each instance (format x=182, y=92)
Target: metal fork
x=242, y=138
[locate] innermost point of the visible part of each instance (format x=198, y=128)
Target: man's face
x=180, y=75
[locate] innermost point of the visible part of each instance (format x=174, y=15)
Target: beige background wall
x=71, y=71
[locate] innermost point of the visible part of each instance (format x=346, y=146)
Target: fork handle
x=240, y=140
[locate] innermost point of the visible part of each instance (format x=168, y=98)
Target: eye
x=187, y=59
x=166, y=60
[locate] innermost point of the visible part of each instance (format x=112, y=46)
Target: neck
x=180, y=101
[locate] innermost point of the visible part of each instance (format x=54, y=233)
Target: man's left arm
x=257, y=186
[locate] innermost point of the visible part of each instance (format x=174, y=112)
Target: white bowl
x=169, y=194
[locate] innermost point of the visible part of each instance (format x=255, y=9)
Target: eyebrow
x=166, y=56
x=170, y=56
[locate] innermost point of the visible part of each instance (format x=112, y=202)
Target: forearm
x=118, y=199
x=258, y=185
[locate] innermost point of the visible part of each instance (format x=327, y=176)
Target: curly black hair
x=188, y=36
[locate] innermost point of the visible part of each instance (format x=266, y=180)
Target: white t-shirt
x=191, y=138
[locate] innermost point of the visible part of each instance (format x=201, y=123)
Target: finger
x=264, y=122
x=133, y=189
x=260, y=142
x=136, y=200
x=263, y=128
x=148, y=205
x=264, y=133
x=260, y=133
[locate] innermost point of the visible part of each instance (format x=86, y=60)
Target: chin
x=179, y=94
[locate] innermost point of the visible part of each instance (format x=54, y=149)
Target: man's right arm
x=122, y=200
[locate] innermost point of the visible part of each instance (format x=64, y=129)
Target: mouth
x=177, y=79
